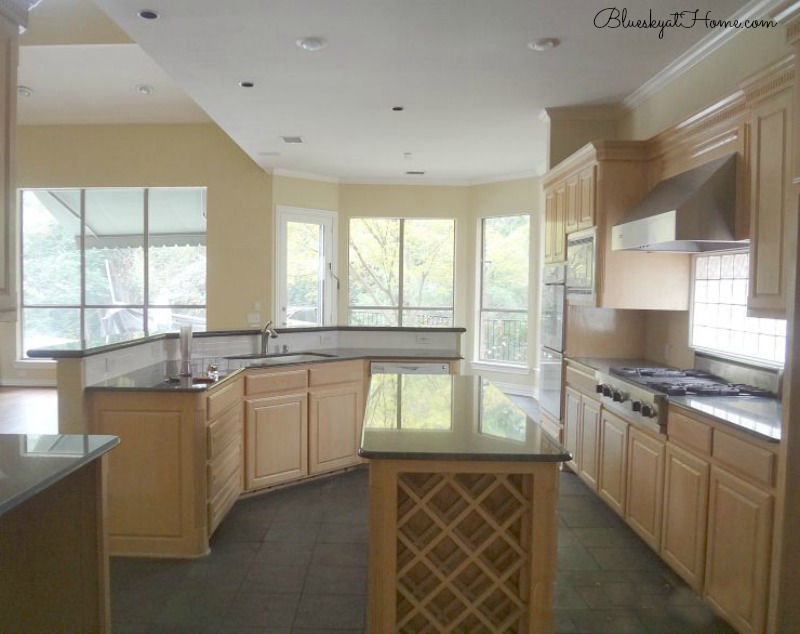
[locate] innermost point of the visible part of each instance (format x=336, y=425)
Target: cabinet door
x=644, y=497
x=334, y=426
x=590, y=441
x=549, y=224
x=276, y=431
x=770, y=196
x=683, y=540
x=613, y=460
x=739, y=539
x=586, y=197
x=572, y=204
x=572, y=425
x=559, y=239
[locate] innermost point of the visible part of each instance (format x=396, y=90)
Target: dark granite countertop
x=31, y=463
x=450, y=417
x=752, y=414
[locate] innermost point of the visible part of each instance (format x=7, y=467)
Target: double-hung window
x=102, y=262
x=401, y=272
x=504, y=279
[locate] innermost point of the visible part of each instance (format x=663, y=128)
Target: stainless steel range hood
x=687, y=213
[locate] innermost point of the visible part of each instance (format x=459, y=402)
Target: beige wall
x=239, y=201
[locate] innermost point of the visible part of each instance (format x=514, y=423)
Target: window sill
x=500, y=367
x=33, y=364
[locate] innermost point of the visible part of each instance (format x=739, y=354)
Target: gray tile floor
x=295, y=562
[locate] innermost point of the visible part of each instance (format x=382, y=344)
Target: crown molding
x=16, y=11
x=308, y=176
x=755, y=9
x=506, y=177
x=603, y=112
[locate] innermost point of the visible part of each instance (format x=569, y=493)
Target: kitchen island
x=52, y=533
x=463, y=491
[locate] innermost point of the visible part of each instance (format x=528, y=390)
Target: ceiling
x=471, y=89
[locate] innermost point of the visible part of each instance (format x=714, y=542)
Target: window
x=101, y=262
x=401, y=272
x=719, y=312
x=503, y=331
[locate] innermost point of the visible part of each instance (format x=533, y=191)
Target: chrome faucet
x=266, y=334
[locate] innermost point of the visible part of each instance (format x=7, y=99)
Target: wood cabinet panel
x=334, y=427
x=221, y=398
x=224, y=431
x=770, y=197
x=572, y=424
x=549, y=224
x=683, y=541
x=266, y=381
x=224, y=467
x=745, y=458
x=613, y=461
x=689, y=432
x=332, y=373
x=645, y=486
x=589, y=468
x=276, y=440
x=586, y=197
x=572, y=203
x=738, y=557
x=559, y=234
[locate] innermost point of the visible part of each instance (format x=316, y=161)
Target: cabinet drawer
x=689, y=432
x=581, y=381
x=338, y=372
x=261, y=382
x=221, y=469
x=223, y=431
x=222, y=398
x=744, y=458
x=222, y=502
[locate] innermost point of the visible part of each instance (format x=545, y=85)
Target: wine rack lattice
x=463, y=551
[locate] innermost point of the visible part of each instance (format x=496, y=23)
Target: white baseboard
x=515, y=388
x=28, y=383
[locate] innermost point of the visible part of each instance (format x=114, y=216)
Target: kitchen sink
x=280, y=358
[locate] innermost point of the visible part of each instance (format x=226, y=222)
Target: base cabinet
x=276, y=440
x=683, y=540
x=334, y=427
x=739, y=544
x=613, y=461
x=645, y=486
x=589, y=468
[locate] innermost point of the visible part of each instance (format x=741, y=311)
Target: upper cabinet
x=769, y=100
x=595, y=187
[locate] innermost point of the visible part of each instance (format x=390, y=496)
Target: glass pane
x=505, y=262
x=114, y=238
x=177, y=246
x=304, y=273
x=51, y=257
x=499, y=416
x=374, y=261
x=429, y=318
x=382, y=410
x=504, y=337
x=426, y=404
x=368, y=317
x=112, y=321
x=428, y=261
x=49, y=326
x=170, y=319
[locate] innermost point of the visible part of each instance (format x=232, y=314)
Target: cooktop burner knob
x=607, y=390
x=648, y=411
x=636, y=406
x=619, y=397
x=599, y=388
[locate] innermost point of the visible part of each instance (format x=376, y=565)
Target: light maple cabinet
x=334, y=427
x=554, y=220
x=683, y=539
x=771, y=195
x=613, y=459
x=572, y=425
x=739, y=544
x=582, y=433
x=645, y=485
x=580, y=200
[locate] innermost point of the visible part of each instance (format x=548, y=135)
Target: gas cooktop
x=674, y=382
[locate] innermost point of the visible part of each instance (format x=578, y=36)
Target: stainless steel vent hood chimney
x=687, y=213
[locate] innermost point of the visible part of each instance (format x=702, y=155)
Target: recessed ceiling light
x=144, y=89
x=311, y=44
x=293, y=140
x=414, y=173
x=246, y=84
x=148, y=14
x=24, y=91
x=544, y=44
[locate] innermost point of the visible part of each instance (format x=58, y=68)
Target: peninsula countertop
x=31, y=463
x=452, y=418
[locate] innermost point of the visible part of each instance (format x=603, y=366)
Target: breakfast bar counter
x=463, y=491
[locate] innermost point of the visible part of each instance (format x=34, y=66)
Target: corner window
x=401, y=272
x=719, y=312
x=103, y=262
x=505, y=254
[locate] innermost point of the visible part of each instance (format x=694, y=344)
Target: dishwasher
x=409, y=368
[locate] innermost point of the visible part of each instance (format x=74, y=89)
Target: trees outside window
x=103, y=262
x=504, y=280
x=401, y=272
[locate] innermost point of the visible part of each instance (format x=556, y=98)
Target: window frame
x=82, y=307
x=400, y=308
x=508, y=367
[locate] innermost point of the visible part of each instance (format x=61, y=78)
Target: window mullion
x=82, y=312
x=146, y=259
x=401, y=273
